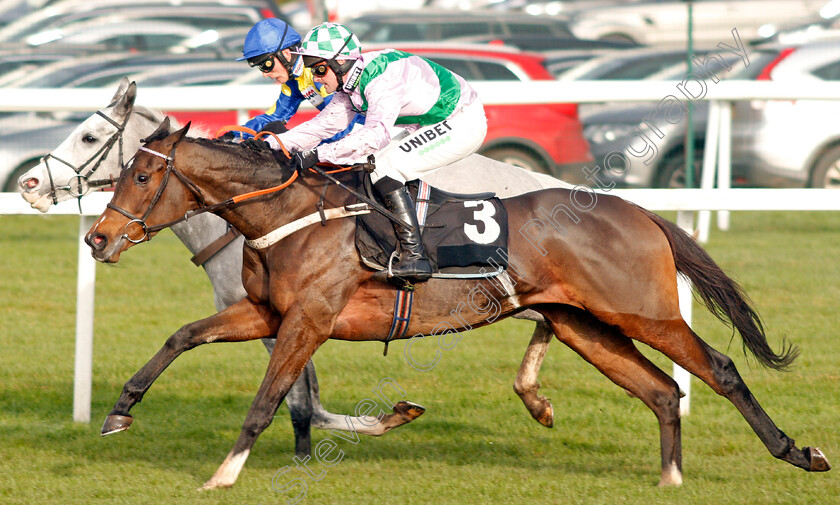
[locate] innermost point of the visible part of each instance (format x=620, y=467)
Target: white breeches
x=432, y=147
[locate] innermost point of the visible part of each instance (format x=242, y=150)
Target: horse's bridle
x=204, y=207
x=170, y=169
x=99, y=156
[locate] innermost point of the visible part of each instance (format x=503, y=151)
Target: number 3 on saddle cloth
x=464, y=236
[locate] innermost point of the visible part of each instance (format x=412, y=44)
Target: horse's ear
x=123, y=85
x=178, y=136
x=183, y=132
x=125, y=104
x=161, y=132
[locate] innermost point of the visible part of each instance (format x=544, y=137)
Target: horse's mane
x=157, y=117
x=239, y=158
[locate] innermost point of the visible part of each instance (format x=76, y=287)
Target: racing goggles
x=320, y=70
x=318, y=66
x=265, y=63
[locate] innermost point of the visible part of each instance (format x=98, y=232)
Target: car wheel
x=518, y=158
x=11, y=186
x=672, y=174
x=826, y=172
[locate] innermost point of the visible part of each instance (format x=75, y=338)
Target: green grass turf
x=475, y=445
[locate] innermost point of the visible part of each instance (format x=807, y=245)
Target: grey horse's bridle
x=98, y=157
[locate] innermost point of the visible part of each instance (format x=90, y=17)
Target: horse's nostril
x=31, y=183
x=96, y=241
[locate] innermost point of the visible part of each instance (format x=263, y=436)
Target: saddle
x=464, y=235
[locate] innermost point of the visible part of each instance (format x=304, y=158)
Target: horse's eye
x=88, y=138
x=142, y=179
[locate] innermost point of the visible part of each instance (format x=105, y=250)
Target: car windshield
x=758, y=61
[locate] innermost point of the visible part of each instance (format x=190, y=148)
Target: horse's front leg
x=296, y=343
x=240, y=322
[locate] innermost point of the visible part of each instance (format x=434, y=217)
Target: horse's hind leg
x=677, y=341
x=306, y=412
x=615, y=355
x=527, y=384
x=403, y=412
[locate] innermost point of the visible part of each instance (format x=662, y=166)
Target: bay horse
x=92, y=157
x=604, y=278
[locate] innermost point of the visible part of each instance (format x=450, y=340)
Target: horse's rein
x=170, y=169
x=261, y=192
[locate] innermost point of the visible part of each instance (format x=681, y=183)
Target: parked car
x=447, y=25
x=783, y=143
x=202, y=14
x=11, y=10
x=560, y=62
x=608, y=127
x=117, y=35
x=552, y=7
x=542, y=43
x=227, y=41
x=541, y=138
x=97, y=69
x=775, y=143
x=809, y=29
x=666, y=22
x=632, y=64
x=17, y=60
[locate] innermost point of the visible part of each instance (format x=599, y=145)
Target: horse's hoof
x=546, y=417
x=819, y=463
x=409, y=410
x=116, y=422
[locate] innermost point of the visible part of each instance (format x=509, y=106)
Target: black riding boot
x=412, y=263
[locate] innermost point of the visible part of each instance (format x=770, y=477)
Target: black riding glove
x=275, y=127
x=228, y=136
x=304, y=160
x=256, y=145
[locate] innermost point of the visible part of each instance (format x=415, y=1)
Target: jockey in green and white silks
x=419, y=117
x=394, y=91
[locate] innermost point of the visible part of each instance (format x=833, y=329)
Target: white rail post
x=710, y=152
x=85, y=290
x=241, y=116
x=724, y=173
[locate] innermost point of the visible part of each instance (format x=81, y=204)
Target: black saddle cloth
x=462, y=234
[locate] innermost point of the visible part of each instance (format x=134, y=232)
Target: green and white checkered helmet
x=330, y=41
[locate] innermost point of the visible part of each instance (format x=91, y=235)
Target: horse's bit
x=99, y=156
x=170, y=169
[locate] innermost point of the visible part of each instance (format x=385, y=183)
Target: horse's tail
x=721, y=295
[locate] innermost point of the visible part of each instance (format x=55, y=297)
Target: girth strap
x=402, y=316
x=214, y=247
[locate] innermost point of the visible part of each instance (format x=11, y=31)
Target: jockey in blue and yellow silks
x=268, y=46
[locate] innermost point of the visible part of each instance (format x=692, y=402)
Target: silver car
x=774, y=143
x=665, y=22
x=783, y=143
